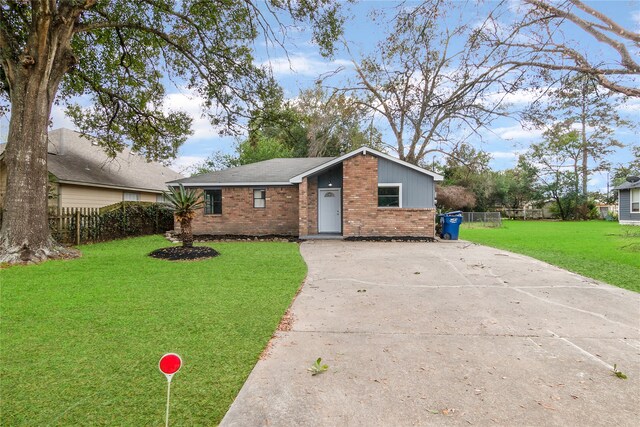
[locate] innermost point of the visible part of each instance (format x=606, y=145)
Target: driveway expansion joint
x=451, y=345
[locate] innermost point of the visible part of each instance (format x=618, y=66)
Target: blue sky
x=301, y=68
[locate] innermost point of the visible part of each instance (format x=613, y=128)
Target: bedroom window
x=635, y=200
x=260, y=198
x=131, y=197
x=213, y=202
x=389, y=195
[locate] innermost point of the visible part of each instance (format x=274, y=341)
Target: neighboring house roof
x=627, y=185
x=74, y=159
x=268, y=172
x=284, y=171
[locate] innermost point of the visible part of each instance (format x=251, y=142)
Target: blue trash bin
x=450, y=225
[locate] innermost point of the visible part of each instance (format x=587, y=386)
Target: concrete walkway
x=446, y=334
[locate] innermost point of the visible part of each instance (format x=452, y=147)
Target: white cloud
x=303, y=65
x=632, y=105
x=192, y=105
x=59, y=118
x=505, y=154
x=517, y=132
x=184, y=164
x=635, y=17
x=518, y=98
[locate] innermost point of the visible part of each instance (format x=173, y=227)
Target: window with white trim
x=260, y=198
x=635, y=200
x=389, y=195
x=131, y=197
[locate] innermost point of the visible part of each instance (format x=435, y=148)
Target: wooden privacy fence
x=125, y=219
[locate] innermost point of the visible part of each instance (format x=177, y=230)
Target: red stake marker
x=169, y=364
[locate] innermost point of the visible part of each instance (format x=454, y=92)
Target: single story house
x=82, y=175
x=364, y=193
x=629, y=201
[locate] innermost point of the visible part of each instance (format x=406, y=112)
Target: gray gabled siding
x=417, y=188
x=333, y=176
x=624, y=205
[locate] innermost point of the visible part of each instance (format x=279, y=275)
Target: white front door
x=329, y=211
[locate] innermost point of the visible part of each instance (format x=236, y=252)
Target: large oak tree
x=122, y=54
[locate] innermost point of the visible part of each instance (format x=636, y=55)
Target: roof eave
x=116, y=187
x=229, y=184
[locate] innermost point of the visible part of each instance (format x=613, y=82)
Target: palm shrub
x=184, y=203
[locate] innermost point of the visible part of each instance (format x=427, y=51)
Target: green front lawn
x=81, y=339
x=602, y=250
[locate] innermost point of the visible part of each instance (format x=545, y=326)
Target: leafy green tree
x=464, y=164
x=334, y=123
x=247, y=151
x=519, y=184
x=262, y=149
x=121, y=54
x=184, y=203
x=622, y=171
x=580, y=105
x=317, y=123
x=469, y=168
x=558, y=173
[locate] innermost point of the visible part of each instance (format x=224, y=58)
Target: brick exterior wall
x=280, y=216
x=361, y=216
x=293, y=210
x=308, y=202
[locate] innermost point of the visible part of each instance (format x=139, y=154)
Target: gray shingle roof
x=274, y=171
x=77, y=160
x=73, y=158
x=627, y=185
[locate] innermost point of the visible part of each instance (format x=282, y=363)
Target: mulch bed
x=175, y=237
x=179, y=253
x=389, y=239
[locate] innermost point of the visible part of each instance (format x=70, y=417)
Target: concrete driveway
x=446, y=334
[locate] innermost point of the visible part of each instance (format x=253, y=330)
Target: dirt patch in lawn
x=179, y=253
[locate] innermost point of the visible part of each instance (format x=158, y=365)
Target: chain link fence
x=484, y=219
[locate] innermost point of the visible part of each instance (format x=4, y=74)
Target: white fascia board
x=115, y=187
x=364, y=150
x=230, y=184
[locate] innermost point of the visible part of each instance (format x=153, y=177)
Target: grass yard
x=601, y=250
x=81, y=339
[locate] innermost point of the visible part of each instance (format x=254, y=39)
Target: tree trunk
x=187, y=233
x=25, y=234
x=33, y=77
x=585, y=147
